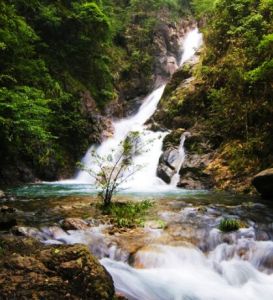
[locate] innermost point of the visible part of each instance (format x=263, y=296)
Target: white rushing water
x=145, y=179
x=234, y=266
x=186, y=273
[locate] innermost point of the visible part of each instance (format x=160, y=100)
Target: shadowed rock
x=263, y=182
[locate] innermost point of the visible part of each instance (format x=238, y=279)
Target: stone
x=7, y=210
x=74, y=224
x=164, y=170
x=172, y=140
x=263, y=182
x=30, y=270
x=7, y=217
x=2, y=194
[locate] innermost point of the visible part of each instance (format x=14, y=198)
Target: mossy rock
x=29, y=270
x=180, y=75
x=195, y=144
x=173, y=139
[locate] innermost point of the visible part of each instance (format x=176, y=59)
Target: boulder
x=74, y=224
x=172, y=140
x=167, y=164
x=164, y=172
x=29, y=270
x=7, y=218
x=263, y=183
x=193, y=173
x=2, y=194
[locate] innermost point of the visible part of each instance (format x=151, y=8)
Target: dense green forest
x=54, y=54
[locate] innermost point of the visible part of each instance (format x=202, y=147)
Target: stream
x=179, y=253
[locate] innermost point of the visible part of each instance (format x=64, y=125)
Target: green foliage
x=203, y=7
x=237, y=72
x=24, y=116
x=229, y=225
x=128, y=214
x=54, y=52
x=115, y=169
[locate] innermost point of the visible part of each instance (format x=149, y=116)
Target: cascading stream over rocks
x=145, y=179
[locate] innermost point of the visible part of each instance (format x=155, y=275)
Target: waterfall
x=146, y=178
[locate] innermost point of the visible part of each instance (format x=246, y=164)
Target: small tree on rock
x=117, y=168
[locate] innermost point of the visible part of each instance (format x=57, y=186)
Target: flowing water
x=148, y=159
x=179, y=254
x=187, y=257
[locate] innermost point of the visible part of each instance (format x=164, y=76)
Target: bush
x=229, y=225
x=127, y=214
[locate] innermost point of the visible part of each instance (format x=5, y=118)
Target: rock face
x=193, y=172
x=168, y=47
x=167, y=39
x=7, y=218
x=169, y=160
x=74, y=224
x=29, y=270
x=263, y=182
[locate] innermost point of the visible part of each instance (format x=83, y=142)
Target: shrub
x=228, y=225
x=127, y=214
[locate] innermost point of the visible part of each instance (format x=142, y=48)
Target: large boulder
x=164, y=172
x=263, y=182
x=75, y=224
x=194, y=174
x=8, y=217
x=167, y=164
x=29, y=270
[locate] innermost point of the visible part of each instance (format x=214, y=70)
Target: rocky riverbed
x=186, y=220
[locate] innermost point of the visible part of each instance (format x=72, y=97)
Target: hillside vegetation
x=54, y=56
x=231, y=96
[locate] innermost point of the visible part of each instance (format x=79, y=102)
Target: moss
x=173, y=139
x=177, y=78
x=229, y=225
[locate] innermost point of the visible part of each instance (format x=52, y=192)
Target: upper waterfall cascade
x=149, y=159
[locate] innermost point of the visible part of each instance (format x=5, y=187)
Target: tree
x=112, y=171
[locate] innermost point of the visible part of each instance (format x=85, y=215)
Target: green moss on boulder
x=29, y=270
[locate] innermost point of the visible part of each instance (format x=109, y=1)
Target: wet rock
x=2, y=194
x=194, y=172
x=26, y=231
x=7, y=210
x=197, y=144
x=165, y=170
x=74, y=224
x=263, y=182
x=120, y=297
x=170, y=160
x=167, y=47
x=7, y=217
x=172, y=140
x=29, y=270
